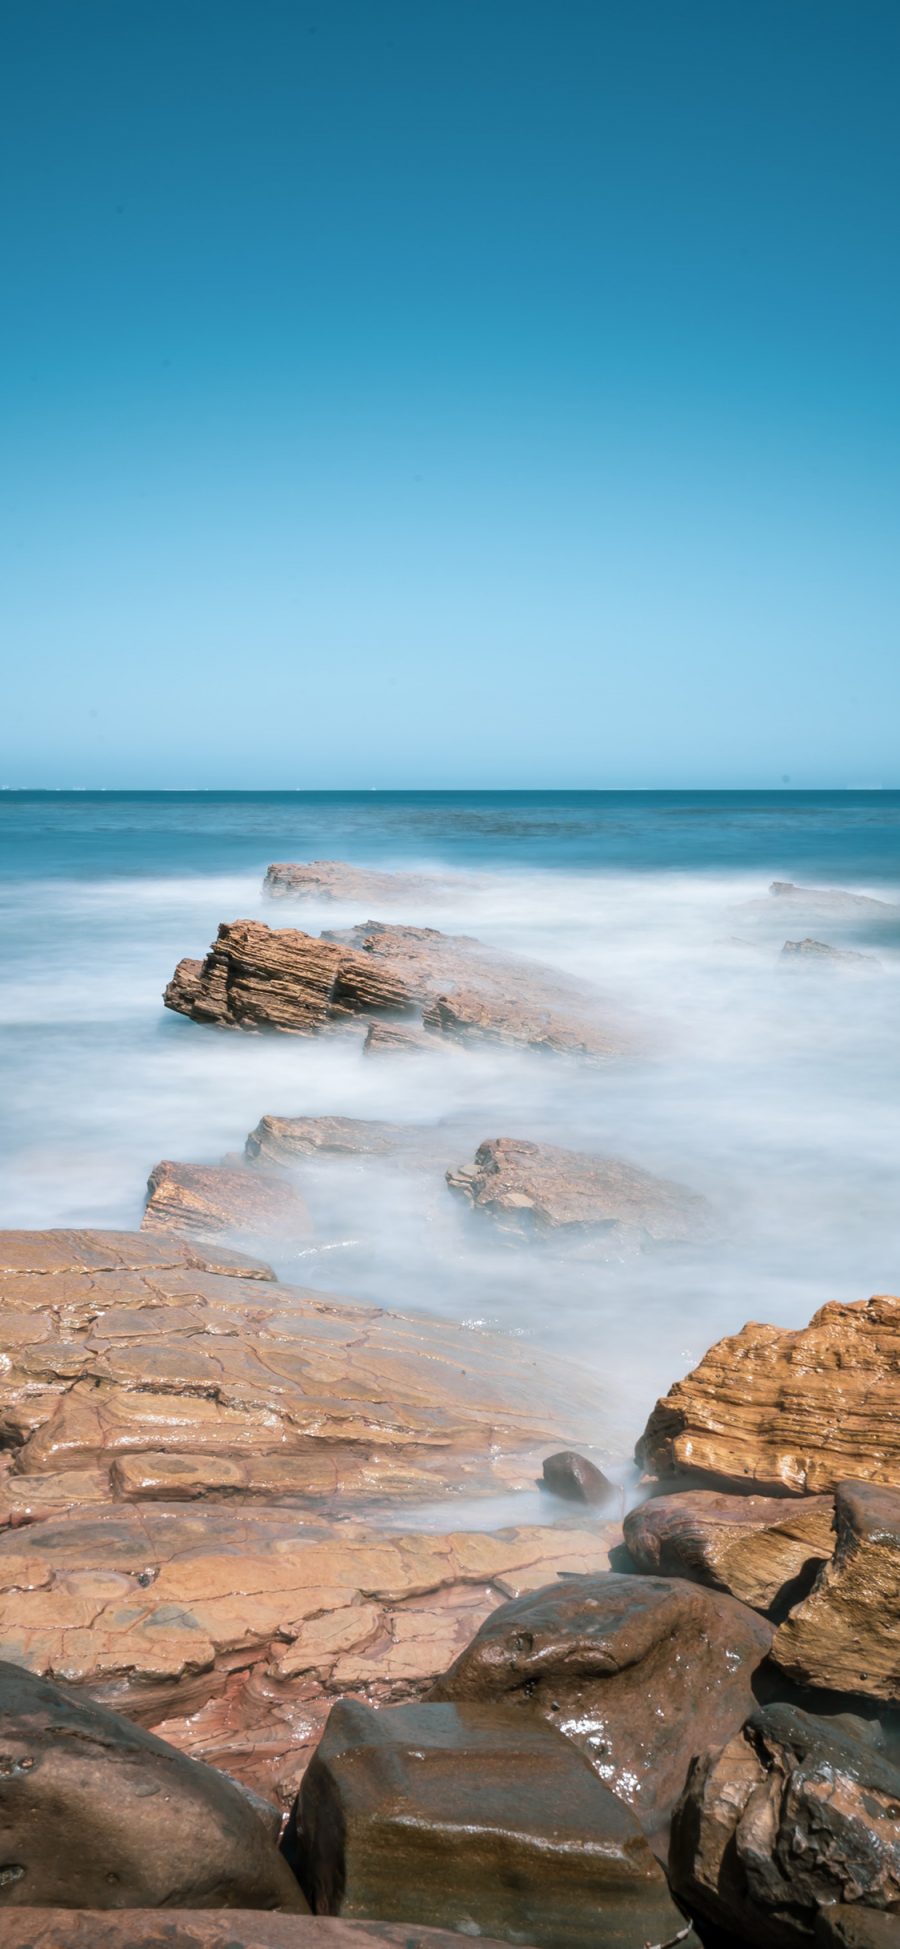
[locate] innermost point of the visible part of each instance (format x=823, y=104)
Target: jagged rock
x=818, y=953
x=790, y=1817
x=540, y=1190
x=98, y=1813
x=764, y=1550
x=184, y=1928
x=800, y=1410
x=257, y=977
x=335, y=879
x=641, y=1672
x=279, y=1140
x=478, y=1820
x=845, y=1636
x=576, y=1479
x=231, y=1630
x=203, y=1199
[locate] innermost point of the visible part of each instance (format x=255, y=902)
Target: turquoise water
x=777, y=1096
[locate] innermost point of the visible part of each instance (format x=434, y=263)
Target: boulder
x=185, y=1928
x=258, y=977
x=845, y=1636
x=475, y=1819
x=541, y=1191
x=97, y=1813
x=788, y=1411
x=641, y=1672
x=790, y=1817
x=574, y=1479
x=281, y=1140
x=336, y=879
x=202, y=1199
x=764, y=1550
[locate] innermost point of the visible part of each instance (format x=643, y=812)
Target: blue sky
x=484, y=394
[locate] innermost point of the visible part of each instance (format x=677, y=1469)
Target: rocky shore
x=268, y=1683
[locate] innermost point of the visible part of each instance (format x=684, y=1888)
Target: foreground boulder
x=641, y=1672
x=540, y=1190
x=792, y=1816
x=203, y=1199
x=764, y=1550
x=799, y=1411
x=574, y=1479
x=846, y=1634
x=186, y=1928
x=95, y=1812
x=478, y=1820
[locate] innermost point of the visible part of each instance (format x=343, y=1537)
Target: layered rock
x=281, y=1140
x=845, y=1636
x=477, y=1820
x=763, y=1550
x=203, y=1199
x=257, y=977
x=791, y=1817
x=540, y=1190
x=183, y=1928
x=789, y=1411
x=336, y=879
x=641, y=1672
x=97, y=1813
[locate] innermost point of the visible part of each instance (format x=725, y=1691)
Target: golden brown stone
x=202, y=1199
x=756, y=1547
x=846, y=1634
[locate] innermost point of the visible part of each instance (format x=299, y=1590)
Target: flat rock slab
x=203, y=1199
x=641, y=1672
x=477, y=1819
x=799, y=1411
x=282, y=1140
x=542, y=1191
x=185, y=1928
x=96, y=1812
x=791, y=1817
x=336, y=879
x=845, y=1636
x=814, y=904
x=764, y=1550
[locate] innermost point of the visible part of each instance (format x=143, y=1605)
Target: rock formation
x=574, y=1479
x=642, y=1672
x=846, y=1634
x=97, y=1813
x=257, y=977
x=281, y=1140
x=811, y=904
x=478, y=1820
x=203, y=1199
x=789, y=1411
x=810, y=953
x=335, y=879
x=763, y=1550
x=539, y=1190
x=183, y=1928
x=792, y=1816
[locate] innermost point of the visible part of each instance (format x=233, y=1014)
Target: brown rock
x=184, y=1928
x=576, y=1479
x=280, y=1140
x=540, y=1190
x=852, y=1927
x=791, y=1817
x=800, y=1411
x=257, y=977
x=845, y=1636
x=641, y=1672
x=478, y=1820
x=97, y=1813
x=764, y=1550
x=335, y=879
x=396, y=1038
x=202, y=1199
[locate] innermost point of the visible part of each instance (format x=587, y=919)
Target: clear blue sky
x=451, y=392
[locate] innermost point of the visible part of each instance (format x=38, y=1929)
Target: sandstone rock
x=845, y=1636
x=641, y=1672
x=184, y=1928
x=97, y=1813
x=800, y=1411
x=576, y=1479
x=280, y=1140
x=257, y=977
x=764, y=1550
x=540, y=1190
x=335, y=879
x=475, y=1819
x=203, y=1199
x=810, y=953
x=398, y=1039
x=792, y=1816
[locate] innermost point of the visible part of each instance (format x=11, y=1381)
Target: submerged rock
x=792, y=1816
x=819, y=954
x=97, y=1813
x=763, y=1550
x=479, y=1820
x=845, y=1636
x=641, y=1672
x=203, y=1199
x=821, y=903
x=335, y=879
x=539, y=1190
x=279, y=1140
x=788, y=1410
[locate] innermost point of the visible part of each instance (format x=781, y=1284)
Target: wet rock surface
x=151, y=1928
x=281, y=1140
x=792, y=1816
x=846, y=1634
x=541, y=1190
x=641, y=1672
x=96, y=1812
x=799, y=1411
x=764, y=1550
x=475, y=1819
x=574, y=1479
x=204, y=1199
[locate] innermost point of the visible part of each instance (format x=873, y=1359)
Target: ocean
x=773, y=1091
